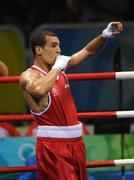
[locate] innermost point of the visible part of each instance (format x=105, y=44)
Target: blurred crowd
x=28, y=14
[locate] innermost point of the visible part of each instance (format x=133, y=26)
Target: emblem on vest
x=55, y=91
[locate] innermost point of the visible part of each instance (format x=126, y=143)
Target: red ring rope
x=82, y=76
x=81, y=115
x=92, y=164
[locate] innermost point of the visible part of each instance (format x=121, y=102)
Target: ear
x=38, y=50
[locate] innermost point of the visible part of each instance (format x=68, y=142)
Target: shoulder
x=28, y=75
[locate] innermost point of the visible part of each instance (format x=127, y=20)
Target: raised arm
x=94, y=46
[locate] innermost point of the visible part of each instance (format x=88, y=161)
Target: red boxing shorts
x=61, y=158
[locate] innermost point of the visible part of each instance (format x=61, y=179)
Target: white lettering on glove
x=61, y=62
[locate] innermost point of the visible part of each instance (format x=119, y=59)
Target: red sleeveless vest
x=61, y=110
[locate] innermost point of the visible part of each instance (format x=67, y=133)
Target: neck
x=42, y=66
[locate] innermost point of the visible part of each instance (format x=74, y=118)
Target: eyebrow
x=55, y=43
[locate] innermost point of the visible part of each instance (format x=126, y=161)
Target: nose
x=58, y=50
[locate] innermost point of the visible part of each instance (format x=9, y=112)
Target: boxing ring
x=81, y=116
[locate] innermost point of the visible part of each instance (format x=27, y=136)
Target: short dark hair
x=38, y=37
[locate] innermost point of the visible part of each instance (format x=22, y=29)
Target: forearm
x=50, y=79
x=92, y=48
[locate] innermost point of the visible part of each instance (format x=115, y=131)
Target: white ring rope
x=124, y=162
x=124, y=75
x=125, y=114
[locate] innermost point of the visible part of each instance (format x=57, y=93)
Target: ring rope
x=82, y=76
x=106, y=163
x=9, y=79
x=102, y=76
x=92, y=164
x=80, y=115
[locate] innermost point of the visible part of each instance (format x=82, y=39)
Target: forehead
x=52, y=39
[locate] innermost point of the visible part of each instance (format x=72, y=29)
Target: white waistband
x=60, y=131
